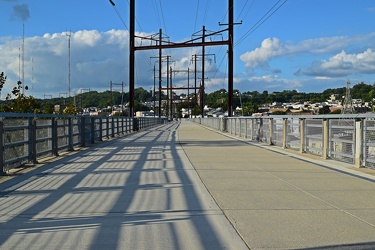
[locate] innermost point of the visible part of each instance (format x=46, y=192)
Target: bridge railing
x=25, y=138
x=347, y=138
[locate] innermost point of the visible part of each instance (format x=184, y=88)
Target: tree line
x=250, y=101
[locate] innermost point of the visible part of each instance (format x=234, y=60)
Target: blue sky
x=306, y=45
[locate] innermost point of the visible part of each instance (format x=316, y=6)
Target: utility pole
x=111, y=84
x=171, y=95
x=69, y=36
x=188, y=85
x=160, y=54
x=168, y=96
x=202, y=85
x=230, y=58
x=159, y=42
x=131, y=57
x=153, y=92
x=186, y=44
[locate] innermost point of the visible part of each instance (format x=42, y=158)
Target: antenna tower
x=69, y=36
x=347, y=107
x=23, y=57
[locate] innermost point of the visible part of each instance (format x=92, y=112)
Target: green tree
x=324, y=110
x=196, y=110
x=249, y=108
x=70, y=110
x=3, y=78
x=48, y=109
x=17, y=101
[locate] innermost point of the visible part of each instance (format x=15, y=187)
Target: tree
x=196, y=110
x=324, y=110
x=249, y=108
x=48, y=109
x=17, y=101
x=2, y=80
x=70, y=110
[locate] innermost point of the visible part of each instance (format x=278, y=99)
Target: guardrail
x=346, y=138
x=25, y=138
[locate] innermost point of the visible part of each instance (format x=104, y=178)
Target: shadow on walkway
x=134, y=192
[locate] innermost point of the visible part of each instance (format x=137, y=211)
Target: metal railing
x=347, y=138
x=25, y=138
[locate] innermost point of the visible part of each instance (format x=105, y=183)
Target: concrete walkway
x=277, y=200
x=182, y=186
x=136, y=192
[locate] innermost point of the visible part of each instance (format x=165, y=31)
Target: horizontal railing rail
x=347, y=138
x=27, y=138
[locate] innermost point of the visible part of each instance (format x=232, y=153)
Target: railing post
x=92, y=130
x=107, y=127
x=33, y=142
x=30, y=139
x=285, y=131
x=251, y=124
x=83, y=131
x=122, y=125
x=70, y=131
x=224, y=124
x=302, y=135
x=54, y=136
x=325, y=139
x=135, y=124
x=271, y=131
x=240, y=126
x=235, y=126
x=358, y=143
x=260, y=131
x=2, y=148
x=113, y=127
x=101, y=129
x=245, y=129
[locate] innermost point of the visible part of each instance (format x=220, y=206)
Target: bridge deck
x=181, y=186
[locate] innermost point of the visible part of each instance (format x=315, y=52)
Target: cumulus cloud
x=271, y=83
x=272, y=48
x=96, y=59
x=344, y=64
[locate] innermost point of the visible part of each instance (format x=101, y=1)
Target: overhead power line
x=264, y=18
x=118, y=14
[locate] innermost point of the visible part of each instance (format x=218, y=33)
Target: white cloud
x=344, y=64
x=273, y=48
x=270, y=83
x=269, y=49
x=96, y=58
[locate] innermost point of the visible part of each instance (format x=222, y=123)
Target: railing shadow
x=113, y=196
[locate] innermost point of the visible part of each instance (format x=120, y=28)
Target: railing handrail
x=344, y=137
x=30, y=140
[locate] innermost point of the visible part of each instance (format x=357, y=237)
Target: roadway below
x=183, y=186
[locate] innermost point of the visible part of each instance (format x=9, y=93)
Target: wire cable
x=206, y=10
x=196, y=18
x=154, y=5
x=118, y=14
x=247, y=12
x=162, y=15
x=261, y=21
